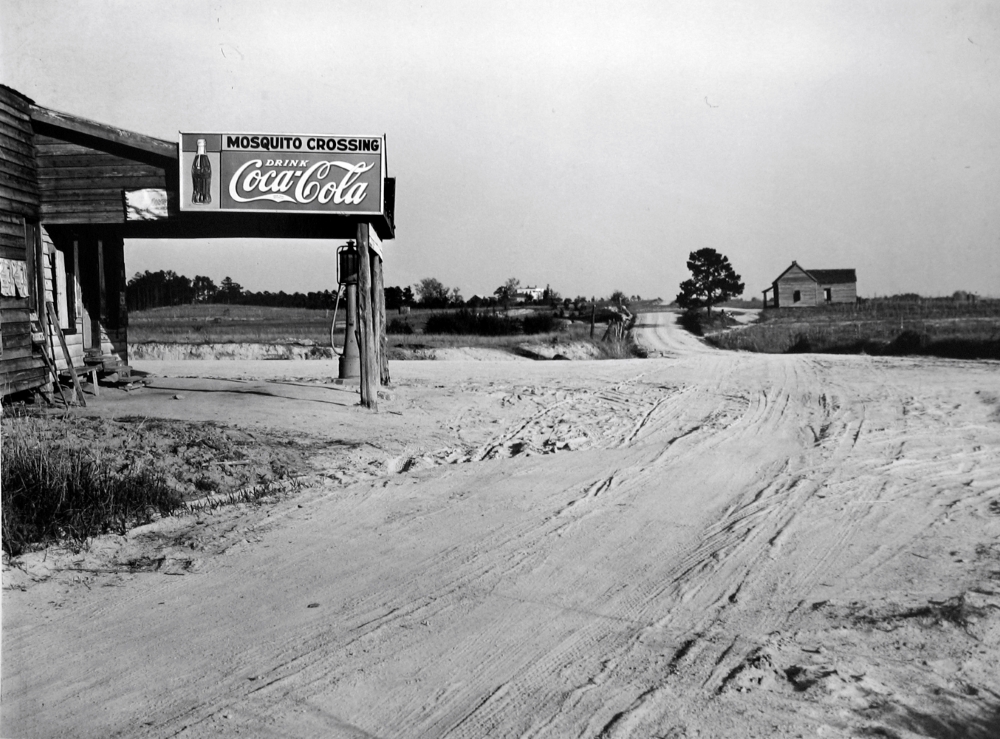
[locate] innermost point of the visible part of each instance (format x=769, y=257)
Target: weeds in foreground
x=52, y=493
x=254, y=495
x=623, y=349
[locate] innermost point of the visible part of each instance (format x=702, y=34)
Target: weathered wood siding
x=794, y=279
x=21, y=368
x=64, y=294
x=845, y=292
x=19, y=183
x=82, y=184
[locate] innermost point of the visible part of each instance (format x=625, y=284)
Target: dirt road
x=703, y=544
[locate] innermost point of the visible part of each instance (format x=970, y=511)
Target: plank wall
x=794, y=279
x=81, y=184
x=71, y=316
x=20, y=367
x=843, y=292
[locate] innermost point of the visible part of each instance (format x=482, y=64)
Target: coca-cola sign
x=282, y=173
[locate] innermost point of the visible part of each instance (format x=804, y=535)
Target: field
x=943, y=328
x=217, y=324
x=240, y=324
x=702, y=543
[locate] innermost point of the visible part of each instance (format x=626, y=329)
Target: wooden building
x=798, y=287
x=63, y=224
x=61, y=218
x=19, y=211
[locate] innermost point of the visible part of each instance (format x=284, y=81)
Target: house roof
x=824, y=276
x=833, y=276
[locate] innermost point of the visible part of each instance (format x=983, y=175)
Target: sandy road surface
x=704, y=544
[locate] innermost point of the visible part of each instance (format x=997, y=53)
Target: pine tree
x=713, y=281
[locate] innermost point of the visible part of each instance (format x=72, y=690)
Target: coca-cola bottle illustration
x=201, y=176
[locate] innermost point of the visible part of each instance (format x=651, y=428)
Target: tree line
x=167, y=288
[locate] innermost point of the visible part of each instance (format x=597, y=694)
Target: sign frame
x=284, y=149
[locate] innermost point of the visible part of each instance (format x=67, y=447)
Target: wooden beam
x=51, y=310
x=55, y=376
x=258, y=225
x=77, y=310
x=18, y=364
x=381, y=340
x=366, y=323
x=122, y=304
x=38, y=255
x=27, y=380
x=103, y=131
x=102, y=317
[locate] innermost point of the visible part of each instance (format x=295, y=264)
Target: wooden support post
x=376, y=269
x=38, y=260
x=593, y=315
x=122, y=305
x=102, y=320
x=366, y=323
x=378, y=299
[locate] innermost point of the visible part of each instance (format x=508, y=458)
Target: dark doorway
x=101, y=269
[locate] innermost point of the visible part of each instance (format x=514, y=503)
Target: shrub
x=465, y=321
x=539, y=323
x=802, y=345
x=399, y=326
x=53, y=493
x=626, y=349
x=691, y=320
x=700, y=323
x=908, y=342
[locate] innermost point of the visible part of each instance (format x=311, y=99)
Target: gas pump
x=347, y=278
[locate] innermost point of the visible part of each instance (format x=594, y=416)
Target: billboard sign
x=282, y=173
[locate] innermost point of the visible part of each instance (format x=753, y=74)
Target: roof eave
x=789, y=269
x=102, y=131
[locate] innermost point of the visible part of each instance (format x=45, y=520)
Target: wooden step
x=91, y=370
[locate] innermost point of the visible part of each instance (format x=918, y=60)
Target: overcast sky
x=587, y=145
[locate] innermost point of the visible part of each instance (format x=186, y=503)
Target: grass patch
x=55, y=493
x=407, y=332
x=625, y=349
x=466, y=322
x=249, y=324
x=399, y=326
x=402, y=346
x=940, y=328
x=243, y=324
x=700, y=323
x=73, y=477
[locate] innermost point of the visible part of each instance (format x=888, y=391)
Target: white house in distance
x=530, y=293
x=522, y=294
x=798, y=287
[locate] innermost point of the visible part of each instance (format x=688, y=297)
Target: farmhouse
x=530, y=293
x=798, y=287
